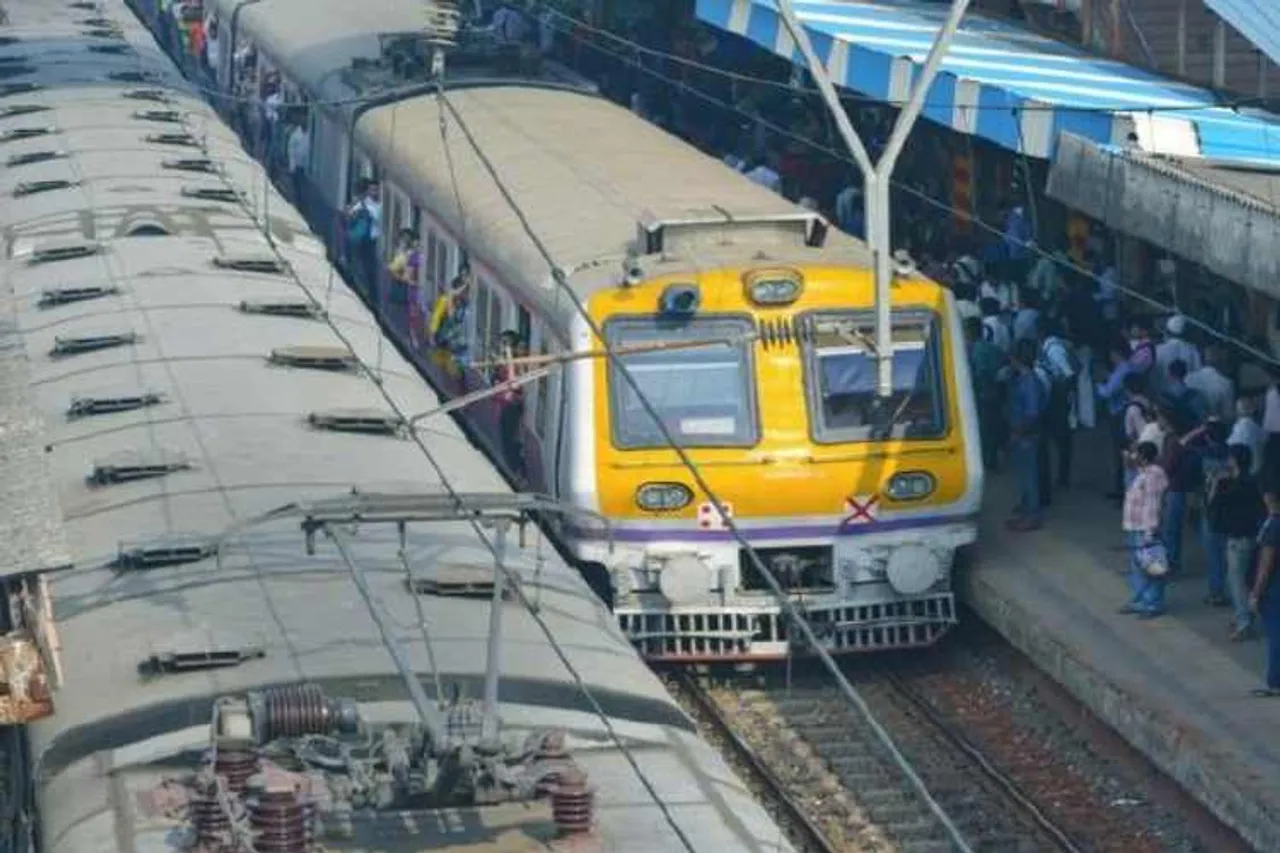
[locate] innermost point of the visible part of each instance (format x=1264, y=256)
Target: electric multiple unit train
x=747, y=323
x=271, y=603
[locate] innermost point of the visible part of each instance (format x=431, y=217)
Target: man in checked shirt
x=1141, y=521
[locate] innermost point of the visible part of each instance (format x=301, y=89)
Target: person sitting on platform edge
x=1141, y=522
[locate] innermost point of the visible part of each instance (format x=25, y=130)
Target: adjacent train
x=252, y=602
x=745, y=321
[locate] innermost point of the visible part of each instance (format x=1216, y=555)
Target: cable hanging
x=792, y=613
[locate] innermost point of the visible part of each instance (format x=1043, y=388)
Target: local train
x=744, y=319
x=250, y=606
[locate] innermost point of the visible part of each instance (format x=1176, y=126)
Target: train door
x=540, y=416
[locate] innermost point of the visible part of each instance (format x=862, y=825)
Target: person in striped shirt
x=1141, y=521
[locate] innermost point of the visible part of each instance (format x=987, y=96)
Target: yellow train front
x=766, y=376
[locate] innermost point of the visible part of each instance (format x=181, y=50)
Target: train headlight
x=911, y=486
x=663, y=497
x=773, y=287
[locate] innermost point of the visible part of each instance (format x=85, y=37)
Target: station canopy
x=1005, y=84
x=1256, y=20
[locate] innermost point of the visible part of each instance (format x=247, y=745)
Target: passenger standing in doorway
x=364, y=229
x=1264, y=600
x=298, y=154
x=1143, y=514
x=1027, y=403
x=511, y=403
x=403, y=272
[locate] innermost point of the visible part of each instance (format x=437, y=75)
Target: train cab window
x=840, y=379
x=712, y=404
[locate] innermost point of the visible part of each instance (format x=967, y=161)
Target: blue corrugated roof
x=1256, y=20
x=1003, y=83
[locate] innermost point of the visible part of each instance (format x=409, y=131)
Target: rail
x=823, y=769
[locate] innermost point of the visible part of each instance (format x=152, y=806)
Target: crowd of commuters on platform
x=1052, y=350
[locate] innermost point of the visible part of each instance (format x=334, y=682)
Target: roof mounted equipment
x=715, y=227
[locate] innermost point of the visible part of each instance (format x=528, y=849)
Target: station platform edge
x=1175, y=688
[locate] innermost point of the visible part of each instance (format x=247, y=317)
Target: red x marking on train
x=861, y=511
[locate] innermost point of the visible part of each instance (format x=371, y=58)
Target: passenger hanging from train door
x=403, y=285
x=511, y=402
x=364, y=229
x=298, y=155
x=447, y=330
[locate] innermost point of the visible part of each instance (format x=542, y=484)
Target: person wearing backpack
x=1028, y=401
x=1057, y=363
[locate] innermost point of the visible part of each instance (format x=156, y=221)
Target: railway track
x=832, y=784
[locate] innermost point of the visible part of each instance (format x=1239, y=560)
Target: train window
x=524, y=323
x=840, y=378
x=443, y=271
x=496, y=326
x=542, y=414
x=713, y=404
x=481, y=315
x=434, y=284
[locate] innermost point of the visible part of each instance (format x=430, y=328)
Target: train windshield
x=840, y=374
x=703, y=393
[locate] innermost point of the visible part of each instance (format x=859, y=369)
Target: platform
x=1176, y=688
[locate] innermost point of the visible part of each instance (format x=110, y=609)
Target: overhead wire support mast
x=876, y=177
x=789, y=608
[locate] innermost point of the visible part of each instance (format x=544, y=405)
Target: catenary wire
x=792, y=612
x=994, y=230
x=573, y=26
x=512, y=578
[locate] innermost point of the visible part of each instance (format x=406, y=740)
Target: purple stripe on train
x=776, y=533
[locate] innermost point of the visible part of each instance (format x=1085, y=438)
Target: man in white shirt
x=298, y=153
x=1175, y=348
x=766, y=176
x=1248, y=432
x=1214, y=388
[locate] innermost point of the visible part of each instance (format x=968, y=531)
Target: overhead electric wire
x=789, y=608
x=385, y=94
x=850, y=98
x=512, y=579
x=1031, y=246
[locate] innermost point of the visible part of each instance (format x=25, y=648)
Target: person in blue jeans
x=1264, y=600
x=1141, y=522
x=1234, y=511
x=1028, y=399
x=1210, y=443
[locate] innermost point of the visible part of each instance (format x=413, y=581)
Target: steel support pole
x=428, y=714
x=876, y=179
x=493, y=663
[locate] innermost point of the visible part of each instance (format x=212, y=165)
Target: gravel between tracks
x=1090, y=785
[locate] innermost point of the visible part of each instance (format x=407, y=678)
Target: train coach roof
x=583, y=170
x=313, y=41
x=123, y=287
